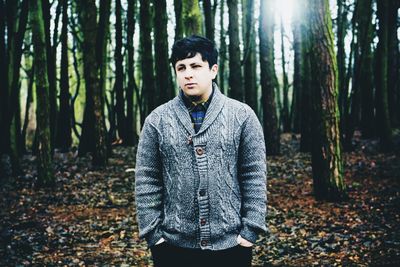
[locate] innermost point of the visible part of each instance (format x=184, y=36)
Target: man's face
x=195, y=77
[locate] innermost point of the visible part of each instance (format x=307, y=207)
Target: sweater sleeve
x=149, y=185
x=252, y=178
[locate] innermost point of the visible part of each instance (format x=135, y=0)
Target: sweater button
x=202, y=192
x=203, y=222
x=199, y=151
x=204, y=243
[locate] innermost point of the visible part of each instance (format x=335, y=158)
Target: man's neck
x=200, y=99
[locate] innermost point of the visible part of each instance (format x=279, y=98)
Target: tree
x=270, y=120
x=131, y=135
x=342, y=24
x=235, y=68
x=285, y=85
x=191, y=17
x=362, y=77
x=44, y=160
x=222, y=51
x=178, y=19
x=51, y=51
x=63, y=134
x=326, y=152
x=298, y=72
x=163, y=75
x=94, y=111
x=249, y=57
x=209, y=18
x=119, y=74
x=382, y=112
x=148, y=85
x=393, y=64
x=16, y=27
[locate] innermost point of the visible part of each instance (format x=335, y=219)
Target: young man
x=200, y=169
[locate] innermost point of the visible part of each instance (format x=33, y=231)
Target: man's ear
x=214, y=69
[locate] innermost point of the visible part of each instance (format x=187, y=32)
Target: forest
x=79, y=77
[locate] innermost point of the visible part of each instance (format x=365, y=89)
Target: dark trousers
x=166, y=255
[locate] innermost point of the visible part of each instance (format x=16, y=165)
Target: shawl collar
x=181, y=111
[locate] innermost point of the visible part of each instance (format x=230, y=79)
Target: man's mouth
x=190, y=84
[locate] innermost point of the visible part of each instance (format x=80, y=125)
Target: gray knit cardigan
x=201, y=190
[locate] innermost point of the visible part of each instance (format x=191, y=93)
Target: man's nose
x=188, y=74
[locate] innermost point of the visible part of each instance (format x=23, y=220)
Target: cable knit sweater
x=201, y=190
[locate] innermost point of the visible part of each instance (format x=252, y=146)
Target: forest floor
x=89, y=217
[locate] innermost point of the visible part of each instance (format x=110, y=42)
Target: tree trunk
x=3, y=83
x=94, y=111
x=222, y=51
x=342, y=24
x=16, y=30
x=63, y=137
x=148, y=86
x=44, y=160
x=285, y=86
x=131, y=100
x=298, y=73
x=393, y=64
x=29, y=101
x=235, y=68
x=51, y=51
x=162, y=66
x=305, y=104
x=249, y=57
x=209, y=19
x=178, y=20
x=191, y=16
x=270, y=121
x=363, y=83
x=383, y=118
x=326, y=152
x=119, y=74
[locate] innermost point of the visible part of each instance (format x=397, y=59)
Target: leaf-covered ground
x=89, y=218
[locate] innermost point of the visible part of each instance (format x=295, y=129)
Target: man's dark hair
x=188, y=47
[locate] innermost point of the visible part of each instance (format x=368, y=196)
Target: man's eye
x=181, y=68
x=196, y=66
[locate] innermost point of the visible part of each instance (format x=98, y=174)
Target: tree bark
x=94, y=111
x=16, y=30
x=3, y=81
x=235, y=68
x=148, y=86
x=305, y=105
x=222, y=51
x=162, y=66
x=51, y=51
x=326, y=152
x=131, y=100
x=285, y=86
x=44, y=160
x=342, y=24
x=270, y=120
x=298, y=73
x=119, y=74
x=393, y=64
x=178, y=20
x=191, y=16
x=209, y=19
x=249, y=57
x=63, y=136
x=383, y=118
